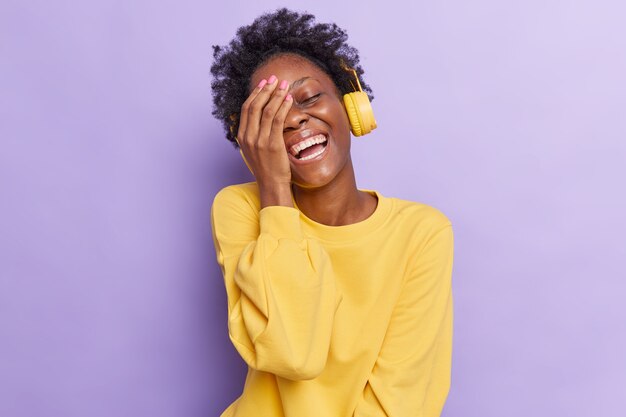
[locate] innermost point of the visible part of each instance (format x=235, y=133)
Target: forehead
x=290, y=67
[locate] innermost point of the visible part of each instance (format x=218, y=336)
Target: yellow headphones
x=358, y=107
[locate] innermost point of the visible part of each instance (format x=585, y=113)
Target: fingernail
x=272, y=79
x=262, y=83
x=283, y=84
x=288, y=97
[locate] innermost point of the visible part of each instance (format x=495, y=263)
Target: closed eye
x=311, y=99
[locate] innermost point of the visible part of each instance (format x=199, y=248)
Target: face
x=317, y=113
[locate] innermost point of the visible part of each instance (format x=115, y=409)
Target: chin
x=309, y=183
x=321, y=177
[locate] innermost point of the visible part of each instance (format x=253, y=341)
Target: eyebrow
x=297, y=83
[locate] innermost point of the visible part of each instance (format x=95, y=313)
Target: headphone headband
x=353, y=71
x=358, y=106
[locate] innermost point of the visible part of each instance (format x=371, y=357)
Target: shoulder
x=415, y=215
x=239, y=200
x=426, y=231
x=240, y=195
x=237, y=193
x=418, y=225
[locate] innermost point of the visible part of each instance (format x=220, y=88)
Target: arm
x=280, y=287
x=260, y=138
x=411, y=377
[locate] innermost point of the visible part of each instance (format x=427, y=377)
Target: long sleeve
x=280, y=286
x=411, y=376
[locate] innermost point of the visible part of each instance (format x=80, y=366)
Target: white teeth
x=307, y=143
x=321, y=151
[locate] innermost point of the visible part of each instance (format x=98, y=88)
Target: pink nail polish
x=283, y=84
x=262, y=84
x=272, y=79
x=288, y=97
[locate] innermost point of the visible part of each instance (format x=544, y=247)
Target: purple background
x=510, y=117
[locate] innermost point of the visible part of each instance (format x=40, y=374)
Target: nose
x=295, y=119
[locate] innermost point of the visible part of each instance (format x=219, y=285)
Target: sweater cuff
x=281, y=222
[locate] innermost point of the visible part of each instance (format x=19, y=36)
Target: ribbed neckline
x=352, y=231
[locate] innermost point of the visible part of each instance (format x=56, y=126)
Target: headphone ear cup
x=360, y=113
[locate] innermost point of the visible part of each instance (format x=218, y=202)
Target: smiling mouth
x=309, y=148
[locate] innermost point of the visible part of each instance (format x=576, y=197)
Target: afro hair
x=271, y=34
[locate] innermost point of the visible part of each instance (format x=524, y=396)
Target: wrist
x=275, y=194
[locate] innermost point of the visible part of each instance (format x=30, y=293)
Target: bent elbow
x=289, y=367
x=295, y=368
x=305, y=370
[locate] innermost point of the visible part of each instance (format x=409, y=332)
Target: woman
x=339, y=299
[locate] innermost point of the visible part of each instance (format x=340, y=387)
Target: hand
x=260, y=137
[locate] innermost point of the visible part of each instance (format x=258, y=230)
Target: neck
x=336, y=204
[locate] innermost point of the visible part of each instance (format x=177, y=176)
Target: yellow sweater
x=345, y=321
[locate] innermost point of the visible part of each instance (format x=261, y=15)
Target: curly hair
x=272, y=34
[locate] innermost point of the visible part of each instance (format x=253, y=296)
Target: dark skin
x=292, y=99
